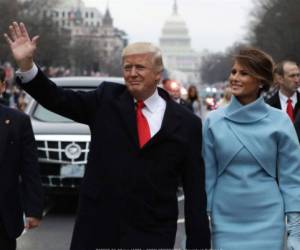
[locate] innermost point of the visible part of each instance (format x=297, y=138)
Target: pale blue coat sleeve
x=288, y=164
x=211, y=165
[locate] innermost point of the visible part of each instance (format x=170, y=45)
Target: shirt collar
x=283, y=98
x=153, y=102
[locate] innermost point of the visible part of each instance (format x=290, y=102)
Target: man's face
x=289, y=82
x=173, y=88
x=140, y=74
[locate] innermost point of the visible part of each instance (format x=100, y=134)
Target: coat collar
x=125, y=106
x=297, y=106
x=249, y=113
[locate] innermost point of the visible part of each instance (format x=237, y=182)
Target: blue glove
x=293, y=231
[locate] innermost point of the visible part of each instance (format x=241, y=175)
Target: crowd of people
x=241, y=169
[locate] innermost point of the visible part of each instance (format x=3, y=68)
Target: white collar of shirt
x=153, y=102
x=283, y=100
x=177, y=100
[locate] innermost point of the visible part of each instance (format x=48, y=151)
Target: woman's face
x=242, y=85
x=193, y=91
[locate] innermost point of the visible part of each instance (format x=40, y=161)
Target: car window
x=43, y=114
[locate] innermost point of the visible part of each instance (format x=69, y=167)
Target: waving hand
x=22, y=47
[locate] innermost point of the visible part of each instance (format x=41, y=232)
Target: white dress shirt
x=283, y=100
x=154, y=110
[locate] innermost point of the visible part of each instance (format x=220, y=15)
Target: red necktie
x=142, y=124
x=290, y=109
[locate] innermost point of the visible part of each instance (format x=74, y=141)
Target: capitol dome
x=178, y=55
x=175, y=34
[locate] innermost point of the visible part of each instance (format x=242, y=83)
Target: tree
x=53, y=47
x=8, y=13
x=275, y=28
x=112, y=63
x=56, y=47
x=83, y=56
x=216, y=67
x=53, y=44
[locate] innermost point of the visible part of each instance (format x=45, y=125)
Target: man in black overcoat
x=141, y=142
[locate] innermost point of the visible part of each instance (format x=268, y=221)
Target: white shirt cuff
x=27, y=76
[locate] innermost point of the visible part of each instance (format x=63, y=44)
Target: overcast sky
x=213, y=24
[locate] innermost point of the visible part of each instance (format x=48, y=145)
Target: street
x=56, y=228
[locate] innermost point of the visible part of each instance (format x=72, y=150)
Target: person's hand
x=22, y=47
x=293, y=243
x=32, y=222
x=293, y=231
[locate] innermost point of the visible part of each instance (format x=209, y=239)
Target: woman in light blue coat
x=252, y=159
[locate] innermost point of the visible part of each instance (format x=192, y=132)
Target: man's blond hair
x=145, y=48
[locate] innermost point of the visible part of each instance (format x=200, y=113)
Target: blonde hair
x=145, y=48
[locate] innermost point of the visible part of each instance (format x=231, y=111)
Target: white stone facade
x=86, y=22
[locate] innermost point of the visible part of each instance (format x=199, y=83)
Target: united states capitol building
x=181, y=61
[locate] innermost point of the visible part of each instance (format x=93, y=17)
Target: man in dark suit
x=287, y=97
x=174, y=90
x=128, y=194
x=20, y=184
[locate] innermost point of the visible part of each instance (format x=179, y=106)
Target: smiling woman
x=251, y=73
x=252, y=160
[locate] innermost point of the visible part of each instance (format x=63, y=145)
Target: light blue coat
x=245, y=148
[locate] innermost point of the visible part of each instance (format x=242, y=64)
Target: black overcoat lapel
x=276, y=101
x=126, y=109
x=297, y=106
x=5, y=123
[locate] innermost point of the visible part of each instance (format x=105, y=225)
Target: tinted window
x=42, y=114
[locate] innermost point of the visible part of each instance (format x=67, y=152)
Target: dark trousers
x=6, y=242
